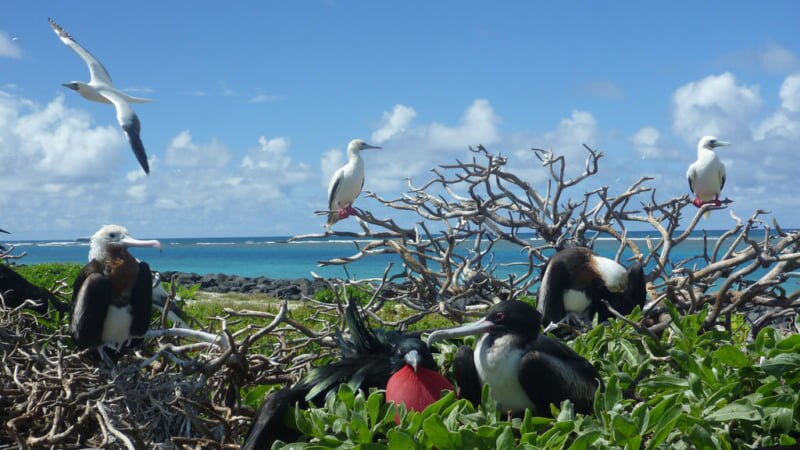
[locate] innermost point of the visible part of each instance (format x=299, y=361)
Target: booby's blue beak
x=469, y=329
x=366, y=146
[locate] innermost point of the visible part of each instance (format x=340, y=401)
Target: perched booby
x=576, y=281
x=101, y=89
x=346, y=183
x=523, y=368
x=400, y=363
x=707, y=174
x=112, y=297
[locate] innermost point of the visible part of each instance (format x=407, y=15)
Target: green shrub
x=46, y=275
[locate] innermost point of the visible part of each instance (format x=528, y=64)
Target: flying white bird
x=346, y=183
x=100, y=89
x=707, y=174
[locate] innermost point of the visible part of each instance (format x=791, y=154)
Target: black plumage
x=576, y=281
x=523, y=368
x=369, y=358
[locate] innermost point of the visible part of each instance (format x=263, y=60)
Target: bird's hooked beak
x=478, y=327
x=128, y=241
x=720, y=144
x=413, y=358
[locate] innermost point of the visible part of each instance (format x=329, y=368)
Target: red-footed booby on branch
x=346, y=183
x=707, y=174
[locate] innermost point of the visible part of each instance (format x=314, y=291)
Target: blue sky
x=255, y=104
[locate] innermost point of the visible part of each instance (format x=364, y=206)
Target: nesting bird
x=112, y=296
x=346, y=183
x=100, y=89
x=576, y=281
x=707, y=174
x=523, y=368
x=400, y=363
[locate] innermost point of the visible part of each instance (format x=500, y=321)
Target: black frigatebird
x=112, y=297
x=399, y=362
x=576, y=281
x=523, y=368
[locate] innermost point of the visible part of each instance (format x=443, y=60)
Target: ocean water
x=274, y=258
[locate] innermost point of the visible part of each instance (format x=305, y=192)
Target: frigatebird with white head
x=523, y=368
x=112, y=297
x=576, y=281
x=346, y=183
x=707, y=174
x=101, y=89
x=371, y=358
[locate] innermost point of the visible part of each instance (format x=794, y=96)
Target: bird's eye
x=712, y=142
x=499, y=316
x=112, y=235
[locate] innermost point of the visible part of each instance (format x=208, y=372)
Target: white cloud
x=394, y=122
x=182, y=152
x=647, y=143
x=777, y=59
x=715, y=105
x=9, y=47
x=329, y=164
x=603, y=89
x=263, y=98
x=790, y=93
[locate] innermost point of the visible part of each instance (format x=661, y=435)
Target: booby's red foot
x=343, y=213
x=351, y=211
x=697, y=202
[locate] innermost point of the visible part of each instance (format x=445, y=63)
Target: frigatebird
x=707, y=175
x=346, y=183
x=523, y=368
x=112, y=297
x=576, y=281
x=371, y=358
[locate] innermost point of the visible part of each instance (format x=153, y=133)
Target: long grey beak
x=413, y=359
x=366, y=146
x=132, y=242
x=721, y=144
x=478, y=327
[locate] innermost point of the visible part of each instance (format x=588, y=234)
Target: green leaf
x=505, y=440
x=437, y=433
x=732, y=356
x=585, y=440
x=736, y=411
x=664, y=425
x=789, y=344
x=666, y=382
x=701, y=438
x=613, y=393
x=781, y=363
x=373, y=407
x=399, y=440
x=255, y=397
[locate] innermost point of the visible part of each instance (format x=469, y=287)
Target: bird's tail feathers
x=333, y=217
x=132, y=99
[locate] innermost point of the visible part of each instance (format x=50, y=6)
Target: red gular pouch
x=416, y=390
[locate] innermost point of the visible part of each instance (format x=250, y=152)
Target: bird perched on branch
x=100, y=89
x=576, y=281
x=112, y=297
x=346, y=183
x=371, y=358
x=523, y=368
x=707, y=174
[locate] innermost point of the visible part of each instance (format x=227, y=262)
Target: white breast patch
x=576, y=301
x=117, y=326
x=498, y=366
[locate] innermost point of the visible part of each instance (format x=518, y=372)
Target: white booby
x=346, y=183
x=523, y=368
x=112, y=297
x=576, y=281
x=101, y=89
x=707, y=174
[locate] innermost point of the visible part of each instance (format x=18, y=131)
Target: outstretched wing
x=129, y=122
x=96, y=69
